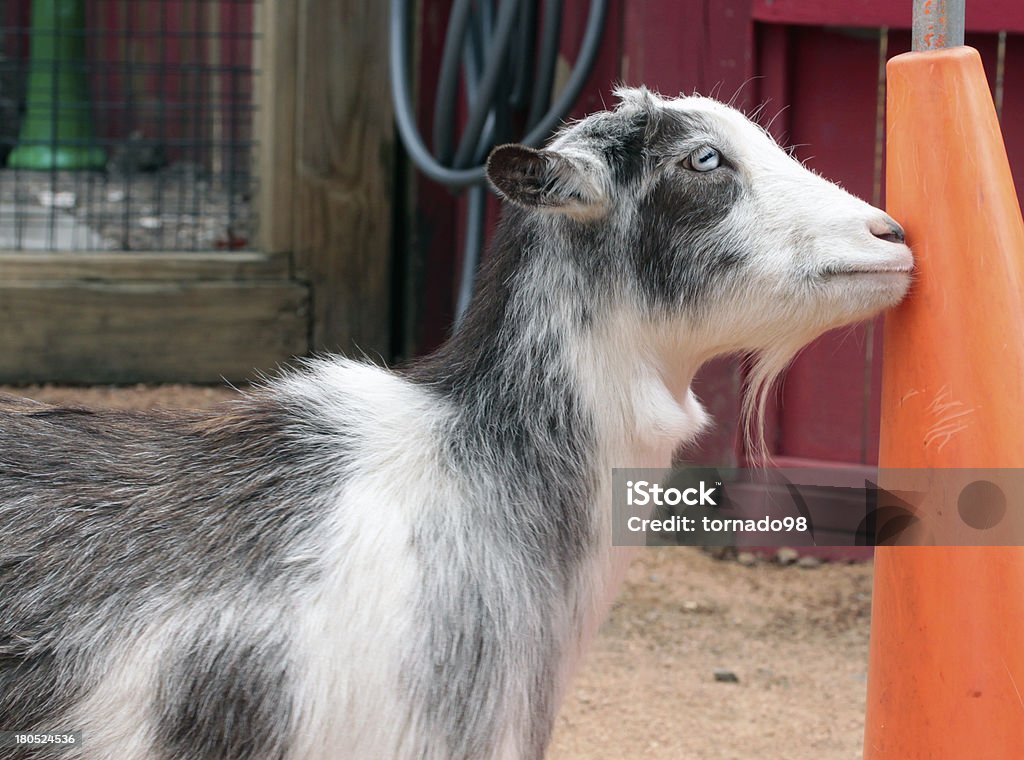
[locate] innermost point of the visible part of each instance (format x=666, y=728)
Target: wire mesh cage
x=127, y=124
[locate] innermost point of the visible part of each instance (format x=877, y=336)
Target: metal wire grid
x=170, y=94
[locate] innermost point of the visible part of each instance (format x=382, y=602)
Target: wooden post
x=343, y=176
x=276, y=58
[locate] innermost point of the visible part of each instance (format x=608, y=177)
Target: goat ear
x=547, y=180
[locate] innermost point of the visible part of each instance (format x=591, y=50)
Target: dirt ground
x=794, y=638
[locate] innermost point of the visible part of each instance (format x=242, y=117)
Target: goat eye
x=703, y=159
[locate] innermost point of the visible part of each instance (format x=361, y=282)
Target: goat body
x=352, y=562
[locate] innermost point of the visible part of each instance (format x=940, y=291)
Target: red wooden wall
x=817, y=64
x=828, y=405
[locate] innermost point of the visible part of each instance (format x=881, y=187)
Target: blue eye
x=703, y=159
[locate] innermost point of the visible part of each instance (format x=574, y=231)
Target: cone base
x=49, y=158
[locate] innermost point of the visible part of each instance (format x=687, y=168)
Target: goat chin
x=352, y=562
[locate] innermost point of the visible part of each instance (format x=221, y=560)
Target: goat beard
x=762, y=372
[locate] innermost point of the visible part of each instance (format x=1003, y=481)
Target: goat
x=352, y=562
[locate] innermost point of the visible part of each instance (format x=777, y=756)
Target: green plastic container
x=57, y=132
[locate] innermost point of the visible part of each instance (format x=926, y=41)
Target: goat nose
x=887, y=228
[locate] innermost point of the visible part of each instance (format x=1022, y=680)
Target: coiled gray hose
x=494, y=52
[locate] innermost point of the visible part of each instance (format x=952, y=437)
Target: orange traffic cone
x=946, y=671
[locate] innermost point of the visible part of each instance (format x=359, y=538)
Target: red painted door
x=825, y=63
